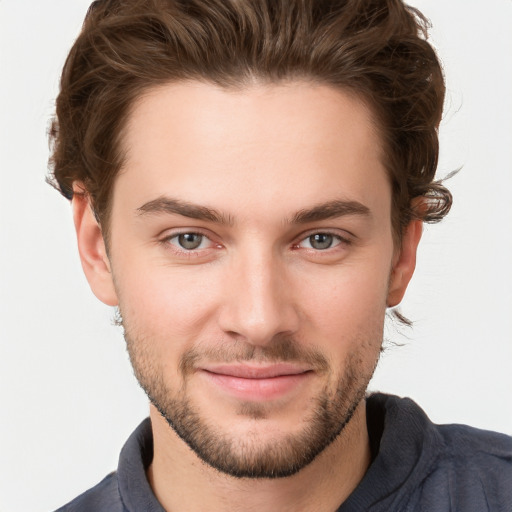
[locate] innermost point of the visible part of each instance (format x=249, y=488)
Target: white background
x=68, y=399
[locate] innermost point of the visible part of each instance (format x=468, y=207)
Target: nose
x=258, y=302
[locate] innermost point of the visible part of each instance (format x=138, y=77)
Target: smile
x=257, y=383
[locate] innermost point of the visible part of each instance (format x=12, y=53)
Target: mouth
x=257, y=382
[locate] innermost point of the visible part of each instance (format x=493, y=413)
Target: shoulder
x=103, y=497
x=478, y=457
x=472, y=470
x=439, y=467
x=474, y=444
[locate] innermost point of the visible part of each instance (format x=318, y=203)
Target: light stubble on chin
x=331, y=409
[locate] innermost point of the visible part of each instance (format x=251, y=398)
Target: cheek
x=160, y=300
x=163, y=317
x=347, y=302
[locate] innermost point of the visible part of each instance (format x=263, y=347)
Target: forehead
x=290, y=145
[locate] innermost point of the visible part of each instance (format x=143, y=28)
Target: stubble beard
x=250, y=457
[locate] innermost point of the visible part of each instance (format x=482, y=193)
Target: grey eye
x=321, y=241
x=190, y=241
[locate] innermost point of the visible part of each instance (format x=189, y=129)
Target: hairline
x=241, y=84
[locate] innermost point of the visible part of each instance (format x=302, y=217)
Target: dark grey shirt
x=417, y=466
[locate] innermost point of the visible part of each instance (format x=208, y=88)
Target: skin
x=257, y=158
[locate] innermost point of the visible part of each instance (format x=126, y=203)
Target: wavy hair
x=376, y=49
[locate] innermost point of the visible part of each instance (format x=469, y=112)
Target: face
x=252, y=260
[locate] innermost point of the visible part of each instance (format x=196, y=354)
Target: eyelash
x=166, y=242
x=343, y=242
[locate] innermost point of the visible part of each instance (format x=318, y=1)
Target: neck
x=181, y=481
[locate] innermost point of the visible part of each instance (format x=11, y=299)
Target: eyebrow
x=171, y=206
x=331, y=210
x=323, y=211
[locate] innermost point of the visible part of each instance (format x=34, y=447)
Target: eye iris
x=190, y=240
x=321, y=241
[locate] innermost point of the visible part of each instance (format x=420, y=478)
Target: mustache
x=279, y=350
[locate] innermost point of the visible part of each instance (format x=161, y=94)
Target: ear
x=404, y=263
x=91, y=248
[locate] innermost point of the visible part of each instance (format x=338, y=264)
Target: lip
x=257, y=382
x=247, y=371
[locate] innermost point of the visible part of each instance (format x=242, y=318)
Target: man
x=249, y=181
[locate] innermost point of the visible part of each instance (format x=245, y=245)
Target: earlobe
x=91, y=248
x=405, y=263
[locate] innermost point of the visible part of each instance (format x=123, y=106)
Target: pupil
x=190, y=240
x=321, y=241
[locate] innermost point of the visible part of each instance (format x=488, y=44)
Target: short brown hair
x=376, y=49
